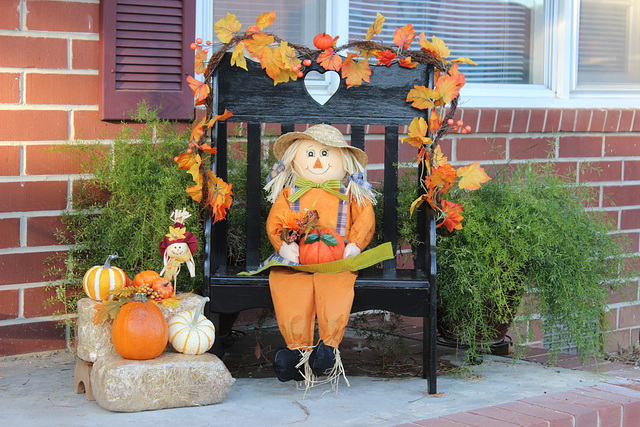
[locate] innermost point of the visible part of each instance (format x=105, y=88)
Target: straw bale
x=94, y=341
x=171, y=380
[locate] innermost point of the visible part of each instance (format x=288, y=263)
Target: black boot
x=284, y=363
x=322, y=359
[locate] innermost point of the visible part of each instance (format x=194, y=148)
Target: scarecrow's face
x=318, y=162
x=175, y=250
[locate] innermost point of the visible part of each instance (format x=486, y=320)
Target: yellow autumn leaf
x=258, y=44
x=439, y=159
x=422, y=97
x=376, y=27
x=227, y=27
x=288, y=56
x=465, y=60
x=417, y=133
x=237, y=57
x=471, y=176
x=436, y=46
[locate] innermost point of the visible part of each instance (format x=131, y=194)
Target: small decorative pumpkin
x=100, y=279
x=321, y=245
x=323, y=41
x=145, y=278
x=162, y=287
x=190, y=332
x=140, y=330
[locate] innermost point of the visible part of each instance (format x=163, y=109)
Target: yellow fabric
x=299, y=297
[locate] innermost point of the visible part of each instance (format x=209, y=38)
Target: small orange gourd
x=145, y=278
x=140, y=331
x=323, y=41
x=162, y=287
x=321, y=245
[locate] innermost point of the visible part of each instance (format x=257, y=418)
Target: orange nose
x=318, y=165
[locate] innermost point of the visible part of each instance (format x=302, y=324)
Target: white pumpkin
x=190, y=332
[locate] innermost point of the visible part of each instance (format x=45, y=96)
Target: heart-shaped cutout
x=321, y=86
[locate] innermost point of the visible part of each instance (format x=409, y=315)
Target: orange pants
x=299, y=297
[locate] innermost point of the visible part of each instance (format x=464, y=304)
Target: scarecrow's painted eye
x=311, y=153
x=324, y=153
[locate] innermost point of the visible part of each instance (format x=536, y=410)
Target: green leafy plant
x=528, y=248
x=124, y=205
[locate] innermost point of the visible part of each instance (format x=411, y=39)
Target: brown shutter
x=145, y=55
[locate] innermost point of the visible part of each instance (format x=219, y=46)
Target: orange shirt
x=360, y=218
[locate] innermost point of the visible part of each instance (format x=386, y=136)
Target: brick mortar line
x=35, y=249
x=30, y=285
x=48, y=107
x=41, y=178
x=28, y=320
x=53, y=142
x=65, y=71
x=51, y=34
x=30, y=214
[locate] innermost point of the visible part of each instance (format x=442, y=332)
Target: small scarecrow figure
x=178, y=247
x=320, y=177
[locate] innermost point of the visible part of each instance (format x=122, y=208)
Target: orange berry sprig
x=459, y=126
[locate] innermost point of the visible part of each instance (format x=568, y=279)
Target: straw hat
x=324, y=134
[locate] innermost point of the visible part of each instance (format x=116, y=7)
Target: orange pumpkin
x=323, y=41
x=100, y=279
x=145, y=278
x=321, y=245
x=162, y=287
x=140, y=331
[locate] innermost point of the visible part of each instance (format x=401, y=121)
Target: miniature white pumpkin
x=190, y=332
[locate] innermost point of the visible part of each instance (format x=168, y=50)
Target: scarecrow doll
x=317, y=184
x=177, y=247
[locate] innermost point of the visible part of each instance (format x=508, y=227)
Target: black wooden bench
x=253, y=99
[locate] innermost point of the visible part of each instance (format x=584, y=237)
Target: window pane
x=608, y=49
x=297, y=21
x=505, y=38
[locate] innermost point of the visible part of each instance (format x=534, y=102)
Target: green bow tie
x=305, y=185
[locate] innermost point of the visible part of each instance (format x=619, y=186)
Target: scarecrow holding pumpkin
x=177, y=247
x=319, y=184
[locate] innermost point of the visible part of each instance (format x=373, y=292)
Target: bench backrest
x=253, y=99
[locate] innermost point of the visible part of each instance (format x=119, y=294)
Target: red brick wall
x=48, y=97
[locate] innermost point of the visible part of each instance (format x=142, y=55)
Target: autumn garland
x=287, y=61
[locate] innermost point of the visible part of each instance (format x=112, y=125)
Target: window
x=145, y=55
x=530, y=53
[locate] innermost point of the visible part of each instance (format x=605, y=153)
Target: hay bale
x=171, y=380
x=94, y=341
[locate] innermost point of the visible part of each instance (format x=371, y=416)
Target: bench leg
x=82, y=378
x=429, y=353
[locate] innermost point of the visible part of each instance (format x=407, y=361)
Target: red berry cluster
x=459, y=126
x=198, y=42
x=298, y=68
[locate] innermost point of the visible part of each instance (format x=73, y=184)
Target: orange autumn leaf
x=355, y=71
x=227, y=27
x=219, y=196
x=435, y=46
x=329, y=60
x=200, y=90
x=195, y=191
x=265, y=19
x=406, y=62
x=208, y=149
x=376, y=27
x=366, y=53
x=197, y=131
x=258, y=44
x=417, y=133
x=385, y=57
x=403, y=37
x=422, y=97
x=284, y=76
x=270, y=61
x=449, y=84
x=453, y=216
x=185, y=161
x=200, y=67
x=442, y=177
x=194, y=170
x=439, y=159
x=435, y=120
x=472, y=176
x=237, y=57
x=219, y=117
x=289, y=219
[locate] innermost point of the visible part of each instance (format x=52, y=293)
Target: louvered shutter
x=145, y=55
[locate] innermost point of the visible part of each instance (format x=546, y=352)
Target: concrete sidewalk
x=36, y=391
